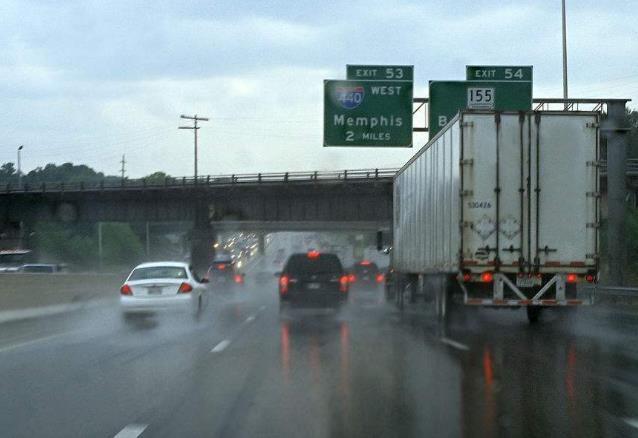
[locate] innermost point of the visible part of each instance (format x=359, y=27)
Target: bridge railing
x=203, y=181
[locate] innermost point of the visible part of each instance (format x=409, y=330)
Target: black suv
x=313, y=279
x=224, y=272
x=366, y=274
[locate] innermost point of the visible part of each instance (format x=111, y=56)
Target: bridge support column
x=616, y=135
x=202, y=240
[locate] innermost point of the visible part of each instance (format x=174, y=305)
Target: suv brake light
x=343, y=283
x=184, y=288
x=283, y=284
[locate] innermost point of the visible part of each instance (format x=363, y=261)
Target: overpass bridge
x=292, y=201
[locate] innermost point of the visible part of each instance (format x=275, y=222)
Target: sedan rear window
x=169, y=272
x=323, y=264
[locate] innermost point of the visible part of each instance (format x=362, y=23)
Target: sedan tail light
x=238, y=278
x=126, y=290
x=185, y=288
x=379, y=278
x=343, y=283
x=283, y=284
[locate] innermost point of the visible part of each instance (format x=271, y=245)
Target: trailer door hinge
x=593, y=194
x=592, y=125
x=593, y=164
x=465, y=193
x=467, y=162
x=593, y=225
x=592, y=256
x=467, y=124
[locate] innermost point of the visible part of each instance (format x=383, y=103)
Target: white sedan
x=153, y=287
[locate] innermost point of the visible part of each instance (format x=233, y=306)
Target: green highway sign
x=498, y=73
x=380, y=72
x=447, y=98
x=367, y=113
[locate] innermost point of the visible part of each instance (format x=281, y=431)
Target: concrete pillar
x=202, y=240
x=261, y=243
x=616, y=134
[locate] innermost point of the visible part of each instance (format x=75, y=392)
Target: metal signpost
x=374, y=112
x=447, y=98
x=380, y=72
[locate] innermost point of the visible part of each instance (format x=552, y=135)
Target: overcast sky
x=87, y=81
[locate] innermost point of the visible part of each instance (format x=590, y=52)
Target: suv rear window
x=323, y=264
x=370, y=268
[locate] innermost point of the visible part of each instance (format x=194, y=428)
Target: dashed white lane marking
x=221, y=346
x=251, y=318
x=131, y=431
x=31, y=342
x=453, y=343
x=633, y=422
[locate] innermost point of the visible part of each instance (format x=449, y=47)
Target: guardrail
x=205, y=181
x=615, y=295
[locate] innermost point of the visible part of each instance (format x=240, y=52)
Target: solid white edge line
x=633, y=422
x=453, y=343
x=221, y=346
x=131, y=431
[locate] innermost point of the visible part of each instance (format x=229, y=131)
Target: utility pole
x=123, y=161
x=195, y=119
x=565, y=94
x=20, y=166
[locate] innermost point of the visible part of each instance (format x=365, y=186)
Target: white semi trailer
x=504, y=207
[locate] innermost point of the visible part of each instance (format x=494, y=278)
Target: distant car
x=170, y=286
x=223, y=271
x=40, y=268
x=313, y=279
x=366, y=274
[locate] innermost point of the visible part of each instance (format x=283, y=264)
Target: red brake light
x=343, y=283
x=283, y=284
x=467, y=276
x=352, y=278
x=365, y=263
x=590, y=278
x=184, y=288
x=312, y=254
x=126, y=290
x=238, y=278
x=379, y=278
x=486, y=277
x=571, y=278
x=221, y=266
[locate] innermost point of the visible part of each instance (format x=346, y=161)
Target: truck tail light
x=590, y=278
x=487, y=277
x=571, y=278
x=467, y=277
x=283, y=284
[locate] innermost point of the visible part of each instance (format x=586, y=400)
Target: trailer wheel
x=533, y=314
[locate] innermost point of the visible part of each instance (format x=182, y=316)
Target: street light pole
x=195, y=119
x=20, y=166
x=565, y=94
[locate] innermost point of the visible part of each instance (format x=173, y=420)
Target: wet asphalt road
x=243, y=370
